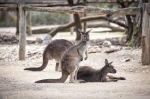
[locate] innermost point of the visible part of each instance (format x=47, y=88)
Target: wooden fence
x=146, y=35
x=53, y=6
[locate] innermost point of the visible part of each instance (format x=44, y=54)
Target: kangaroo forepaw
x=122, y=78
x=86, y=58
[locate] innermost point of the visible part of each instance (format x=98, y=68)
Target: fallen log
x=54, y=31
x=69, y=25
x=111, y=50
x=113, y=28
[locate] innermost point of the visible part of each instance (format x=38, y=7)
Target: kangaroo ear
x=110, y=63
x=80, y=31
x=106, y=62
x=89, y=31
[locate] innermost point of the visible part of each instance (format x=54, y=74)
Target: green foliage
x=38, y=18
x=120, y=1
x=135, y=40
x=45, y=18
x=107, y=5
x=9, y=20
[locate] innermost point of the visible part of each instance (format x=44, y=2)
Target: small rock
x=39, y=41
x=128, y=59
x=47, y=39
x=107, y=44
x=111, y=50
x=127, y=48
x=94, y=49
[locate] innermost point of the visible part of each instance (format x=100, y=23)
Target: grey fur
x=89, y=74
x=54, y=50
x=70, y=61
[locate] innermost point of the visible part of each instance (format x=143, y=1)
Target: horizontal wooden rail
x=84, y=9
x=76, y=9
x=57, y=1
x=8, y=8
x=32, y=1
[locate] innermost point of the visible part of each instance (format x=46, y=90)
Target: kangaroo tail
x=44, y=64
x=122, y=78
x=60, y=80
x=34, y=69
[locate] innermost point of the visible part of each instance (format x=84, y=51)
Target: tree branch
x=66, y=26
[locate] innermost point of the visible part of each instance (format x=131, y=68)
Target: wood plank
x=31, y=1
x=84, y=24
x=145, y=57
x=8, y=8
x=84, y=10
x=57, y=1
x=22, y=32
x=77, y=9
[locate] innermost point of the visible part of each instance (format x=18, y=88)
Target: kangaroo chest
x=83, y=48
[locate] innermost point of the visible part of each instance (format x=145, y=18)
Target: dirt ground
x=15, y=83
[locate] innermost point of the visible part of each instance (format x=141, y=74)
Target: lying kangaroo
x=70, y=61
x=89, y=74
x=54, y=50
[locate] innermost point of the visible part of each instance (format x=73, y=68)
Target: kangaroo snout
x=114, y=71
x=87, y=39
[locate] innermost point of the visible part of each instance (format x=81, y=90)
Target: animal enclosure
x=15, y=82
x=22, y=6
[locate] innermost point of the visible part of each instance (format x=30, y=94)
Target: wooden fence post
x=29, y=23
x=22, y=30
x=85, y=23
x=17, y=24
x=145, y=37
x=71, y=20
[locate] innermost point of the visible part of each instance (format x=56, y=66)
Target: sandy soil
x=15, y=83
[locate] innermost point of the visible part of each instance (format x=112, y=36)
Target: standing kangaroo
x=54, y=50
x=70, y=61
x=89, y=74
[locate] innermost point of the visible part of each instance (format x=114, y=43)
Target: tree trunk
x=85, y=24
x=134, y=28
x=129, y=31
x=77, y=21
x=28, y=24
x=78, y=26
x=135, y=40
x=130, y=27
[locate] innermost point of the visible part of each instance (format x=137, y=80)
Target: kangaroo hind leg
x=73, y=77
x=118, y=78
